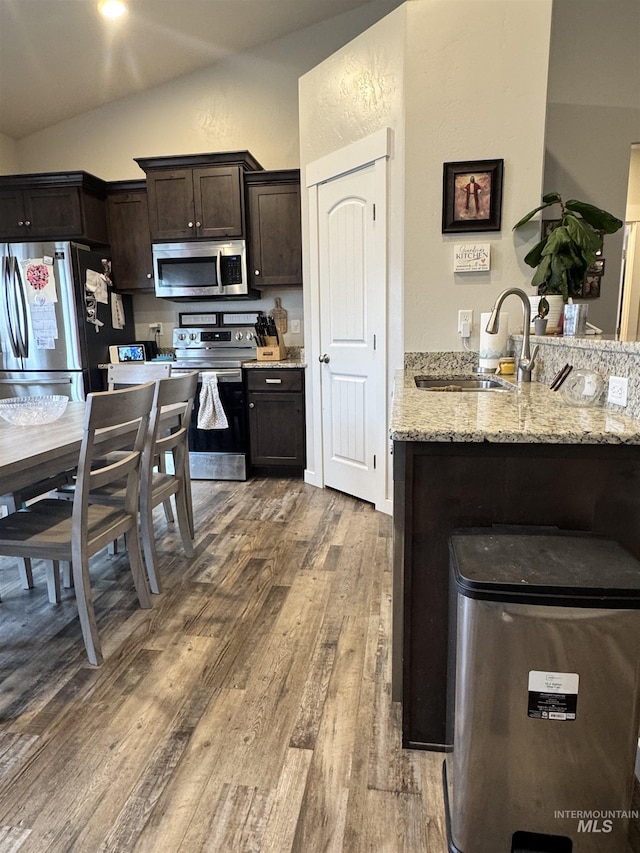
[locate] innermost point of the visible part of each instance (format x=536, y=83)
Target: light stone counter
x=529, y=413
x=288, y=362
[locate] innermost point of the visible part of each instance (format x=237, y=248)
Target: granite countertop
x=287, y=362
x=528, y=413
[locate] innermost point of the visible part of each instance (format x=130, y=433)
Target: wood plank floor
x=249, y=710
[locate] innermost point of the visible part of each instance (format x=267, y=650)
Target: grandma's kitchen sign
x=471, y=257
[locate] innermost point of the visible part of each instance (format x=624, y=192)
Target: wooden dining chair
x=125, y=373
x=13, y=501
x=73, y=531
x=157, y=487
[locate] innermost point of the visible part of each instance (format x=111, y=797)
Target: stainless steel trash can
x=544, y=692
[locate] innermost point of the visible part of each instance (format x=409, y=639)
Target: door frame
x=372, y=150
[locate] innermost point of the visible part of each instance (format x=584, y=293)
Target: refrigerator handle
x=6, y=286
x=66, y=380
x=21, y=312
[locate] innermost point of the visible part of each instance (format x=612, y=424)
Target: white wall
x=593, y=118
x=458, y=98
x=8, y=155
x=475, y=82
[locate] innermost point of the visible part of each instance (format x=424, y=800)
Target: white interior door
x=352, y=334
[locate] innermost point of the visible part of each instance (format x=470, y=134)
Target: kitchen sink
x=461, y=384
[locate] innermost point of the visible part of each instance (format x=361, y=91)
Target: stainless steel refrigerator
x=55, y=325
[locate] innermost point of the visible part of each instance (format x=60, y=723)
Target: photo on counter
x=591, y=287
x=472, y=196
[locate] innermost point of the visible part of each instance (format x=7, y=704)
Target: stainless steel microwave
x=205, y=269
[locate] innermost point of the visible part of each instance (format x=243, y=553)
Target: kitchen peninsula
x=518, y=457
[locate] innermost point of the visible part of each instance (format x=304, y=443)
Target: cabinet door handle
x=27, y=222
x=273, y=381
x=198, y=224
x=21, y=222
x=190, y=224
x=256, y=272
x=149, y=275
x=252, y=405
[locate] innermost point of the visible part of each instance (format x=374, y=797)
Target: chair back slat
x=128, y=373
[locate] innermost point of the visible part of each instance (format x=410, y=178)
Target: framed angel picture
x=472, y=196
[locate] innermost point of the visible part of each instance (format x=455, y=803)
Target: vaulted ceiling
x=59, y=58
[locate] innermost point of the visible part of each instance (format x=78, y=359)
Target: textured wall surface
x=8, y=155
x=249, y=101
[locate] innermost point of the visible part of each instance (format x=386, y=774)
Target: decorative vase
x=540, y=326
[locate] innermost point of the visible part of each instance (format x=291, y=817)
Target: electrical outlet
x=618, y=390
x=465, y=316
x=155, y=328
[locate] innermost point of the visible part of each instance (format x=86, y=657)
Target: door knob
x=324, y=359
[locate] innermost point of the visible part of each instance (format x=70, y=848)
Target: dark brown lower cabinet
x=441, y=487
x=275, y=400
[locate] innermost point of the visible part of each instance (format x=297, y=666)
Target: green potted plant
x=540, y=320
x=561, y=259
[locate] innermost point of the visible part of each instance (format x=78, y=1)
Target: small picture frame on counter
x=597, y=267
x=591, y=287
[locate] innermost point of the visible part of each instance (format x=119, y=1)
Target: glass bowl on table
x=33, y=411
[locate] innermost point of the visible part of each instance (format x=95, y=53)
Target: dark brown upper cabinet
x=53, y=206
x=197, y=196
x=275, y=241
x=130, y=240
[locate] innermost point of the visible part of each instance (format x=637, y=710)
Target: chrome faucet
x=526, y=360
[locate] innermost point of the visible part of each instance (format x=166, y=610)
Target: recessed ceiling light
x=112, y=8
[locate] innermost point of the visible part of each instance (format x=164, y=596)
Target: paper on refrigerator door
x=44, y=325
x=39, y=280
x=117, y=311
x=96, y=283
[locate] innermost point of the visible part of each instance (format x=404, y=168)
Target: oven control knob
x=239, y=336
x=181, y=336
x=193, y=336
x=249, y=336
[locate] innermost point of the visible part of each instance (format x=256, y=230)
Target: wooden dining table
x=29, y=454
x=32, y=453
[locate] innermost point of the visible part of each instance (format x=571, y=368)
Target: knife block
x=273, y=351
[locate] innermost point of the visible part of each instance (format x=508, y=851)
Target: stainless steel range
x=220, y=343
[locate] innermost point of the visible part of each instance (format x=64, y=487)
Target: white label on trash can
x=553, y=695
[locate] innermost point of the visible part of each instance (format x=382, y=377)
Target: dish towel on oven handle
x=211, y=414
